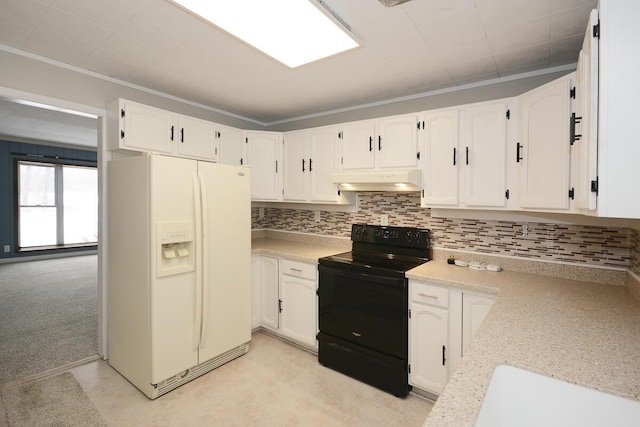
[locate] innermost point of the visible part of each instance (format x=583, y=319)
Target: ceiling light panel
x=294, y=32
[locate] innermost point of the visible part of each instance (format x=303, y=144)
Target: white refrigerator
x=179, y=262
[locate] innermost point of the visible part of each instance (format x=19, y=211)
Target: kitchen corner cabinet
x=474, y=309
x=543, y=147
x=442, y=323
x=298, y=304
x=284, y=293
x=264, y=285
x=264, y=156
x=309, y=159
x=428, y=336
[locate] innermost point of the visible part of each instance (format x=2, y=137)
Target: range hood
x=400, y=180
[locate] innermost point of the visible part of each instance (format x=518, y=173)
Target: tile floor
x=275, y=384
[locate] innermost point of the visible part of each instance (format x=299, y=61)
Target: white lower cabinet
x=474, y=310
x=264, y=286
x=298, y=313
x=428, y=337
x=285, y=292
x=442, y=324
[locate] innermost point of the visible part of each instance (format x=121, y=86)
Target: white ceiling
x=416, y=47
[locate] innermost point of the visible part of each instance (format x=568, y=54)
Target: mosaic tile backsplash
x=576, y=244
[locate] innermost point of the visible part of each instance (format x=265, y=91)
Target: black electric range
x=363, y=305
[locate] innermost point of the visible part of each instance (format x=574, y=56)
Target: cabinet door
x=440, y=167
x=146, y=128
x=544, y=146
x=428, y=342
x=295, y=166
x=474, y=310
x=264, y=158
x=356, y=140
x=298, y=318
x=195, y=138
x=270, y=295
x=231, y=146
x=256, y=291
x=323, y=158
x=584, y=151
x=483, y=154
x=397, y=142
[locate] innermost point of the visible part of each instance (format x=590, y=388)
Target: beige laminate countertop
x=297, y=251
x=585, y=333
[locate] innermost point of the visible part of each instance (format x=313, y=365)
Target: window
x=57, y=205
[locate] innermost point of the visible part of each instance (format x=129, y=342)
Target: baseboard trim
x=50, y=373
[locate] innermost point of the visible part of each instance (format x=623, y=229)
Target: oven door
x=364, y=309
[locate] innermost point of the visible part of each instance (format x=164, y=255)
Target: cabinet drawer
x=298, y=269
x=429, y=294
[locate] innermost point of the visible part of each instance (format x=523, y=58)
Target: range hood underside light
x=391, y=181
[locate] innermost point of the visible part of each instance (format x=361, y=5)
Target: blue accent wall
x=9, y=152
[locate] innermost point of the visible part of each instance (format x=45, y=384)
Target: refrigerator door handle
x=198, y=239
x=205, y=270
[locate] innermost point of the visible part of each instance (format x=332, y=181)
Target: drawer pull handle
x=356, y=334
x=296, y=270
x=428, y=296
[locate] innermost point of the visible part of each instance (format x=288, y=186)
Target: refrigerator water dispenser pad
x=176, y=250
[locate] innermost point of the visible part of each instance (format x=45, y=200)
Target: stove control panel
x=408, y=237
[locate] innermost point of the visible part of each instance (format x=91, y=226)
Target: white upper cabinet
x=295, y=166
x=543, y=148
x=323, y=161
x=309, y=157
x=440, y=162
x=483, y=154
x=618, y=86
x=385, y=143
x=397, y=142
x=356, y=145
x=264, y=157
x=138, y=127
x=196, y=138
x=230, y=145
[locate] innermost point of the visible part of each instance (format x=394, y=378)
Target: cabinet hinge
x=246, y=140
x=594, y=186
x=572, y=92
x=408, y=369
x=573, y=121
x=423, y=192
x=508, y=114
x=338, y=192
x=506, y=194
x=418, y=155
x=596, y=30
x=241, y=161
x=122, y=112
x=340, y=135
x=409, y=313
x=342, y=160
x=572, y=193
x=121, y=134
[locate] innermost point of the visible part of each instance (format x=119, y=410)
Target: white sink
x=517, y=397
